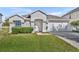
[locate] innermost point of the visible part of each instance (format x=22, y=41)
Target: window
x=17, y=23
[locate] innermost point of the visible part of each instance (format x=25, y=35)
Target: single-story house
x=1, y=21
x=45, y=22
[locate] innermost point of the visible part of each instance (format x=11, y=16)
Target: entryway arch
x=39, y=23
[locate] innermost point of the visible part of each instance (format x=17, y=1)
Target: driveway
x=69, y=35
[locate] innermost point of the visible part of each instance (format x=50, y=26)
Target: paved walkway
x=70, y=37
x=43, y=33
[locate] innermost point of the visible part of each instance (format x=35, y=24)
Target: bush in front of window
x=17, y=30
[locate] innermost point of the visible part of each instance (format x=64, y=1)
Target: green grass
x=32, y=43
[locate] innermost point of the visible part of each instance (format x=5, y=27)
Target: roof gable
x=72, y=11
x=16, y=15
x=39, y=11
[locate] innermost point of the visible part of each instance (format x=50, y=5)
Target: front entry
x=39, y=23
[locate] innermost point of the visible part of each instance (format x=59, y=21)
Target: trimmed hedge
x=17, y=30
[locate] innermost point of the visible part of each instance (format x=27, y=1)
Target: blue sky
x=59, y=11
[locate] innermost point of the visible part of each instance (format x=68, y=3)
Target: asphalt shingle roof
x=54, y=17
x=72, y=11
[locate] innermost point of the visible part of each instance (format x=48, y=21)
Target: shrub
x=16, y=30
x=6, y=23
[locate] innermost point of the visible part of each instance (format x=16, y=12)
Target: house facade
x=45, y=22
x=1, y=21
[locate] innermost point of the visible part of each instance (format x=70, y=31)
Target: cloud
x=20, y=10
x=9, y=11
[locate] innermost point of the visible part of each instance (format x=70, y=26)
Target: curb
x=73, y=43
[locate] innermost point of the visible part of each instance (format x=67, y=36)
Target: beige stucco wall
x=39, y=15
x=26, y=24
x=74, y=15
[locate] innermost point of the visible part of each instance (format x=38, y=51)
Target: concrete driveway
x=69, y=35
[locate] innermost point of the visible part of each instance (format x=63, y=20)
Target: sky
x=9, y=11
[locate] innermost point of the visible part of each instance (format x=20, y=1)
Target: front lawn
x=32, y=42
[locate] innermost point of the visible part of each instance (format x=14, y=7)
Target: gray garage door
x=60, y=27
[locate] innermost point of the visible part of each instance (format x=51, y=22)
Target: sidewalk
x=43, y=33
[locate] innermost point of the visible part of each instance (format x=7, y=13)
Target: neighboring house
x=17, y=20
x=1, y=21
x=74, y=14
x=45, y=22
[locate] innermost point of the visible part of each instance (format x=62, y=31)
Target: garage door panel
x=59, y=26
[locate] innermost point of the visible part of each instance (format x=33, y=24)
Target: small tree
x=6, y=23
x=75, y=23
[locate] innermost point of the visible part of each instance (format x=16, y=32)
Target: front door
x=39, y=23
